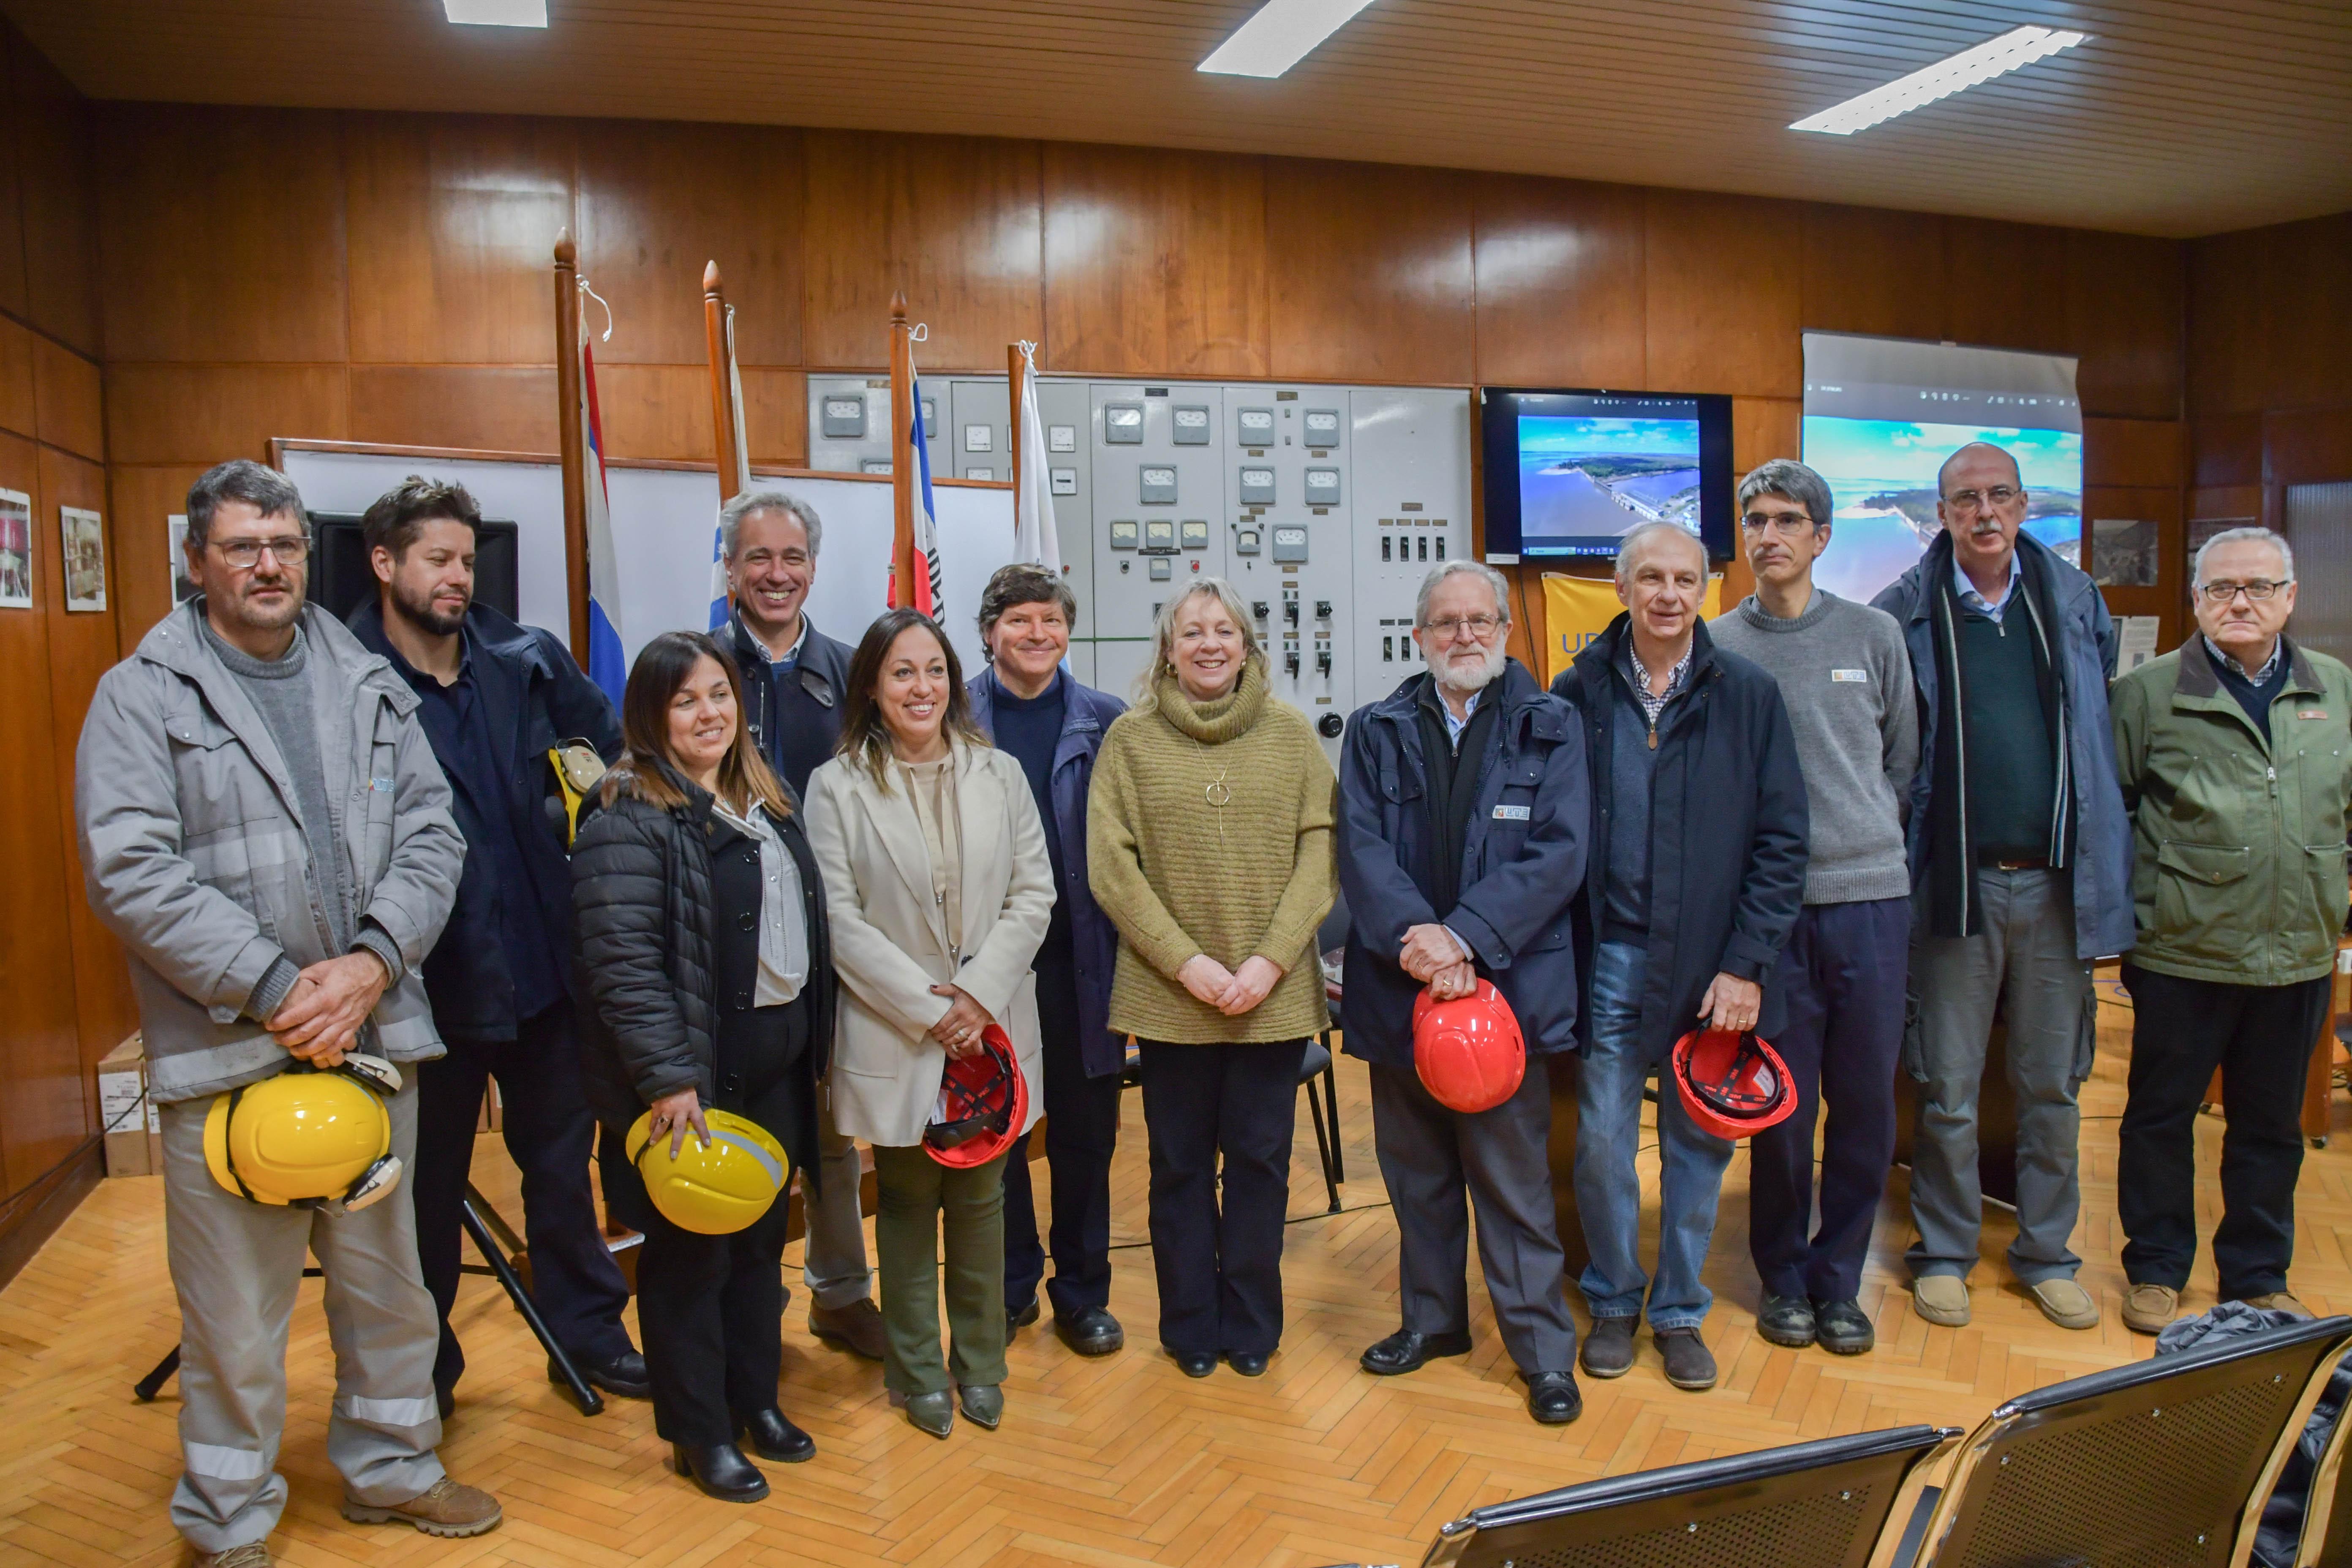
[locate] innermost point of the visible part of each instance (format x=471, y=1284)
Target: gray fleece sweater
x=1846, y=680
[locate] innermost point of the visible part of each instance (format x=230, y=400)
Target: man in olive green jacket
x=2233, y=750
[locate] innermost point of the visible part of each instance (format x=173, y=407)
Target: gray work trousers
x=833, y=1264
x=237, y=1265
x=1429, y=1155
x=2025, y=958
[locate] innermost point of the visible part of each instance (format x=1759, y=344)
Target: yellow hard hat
x=305, y=1137
x=717, y=1190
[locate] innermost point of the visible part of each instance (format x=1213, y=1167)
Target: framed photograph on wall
x=15, y=551
x=2123, y=553
x=82, y=535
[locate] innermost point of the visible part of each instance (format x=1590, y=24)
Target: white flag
x=1034, y=536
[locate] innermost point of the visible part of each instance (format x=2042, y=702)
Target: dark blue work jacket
x=1523, y=859
x=533, y=695
x=1094, y=941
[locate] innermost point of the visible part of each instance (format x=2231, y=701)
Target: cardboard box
x=134, y=1130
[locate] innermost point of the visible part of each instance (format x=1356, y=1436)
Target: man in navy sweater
x=794, y=677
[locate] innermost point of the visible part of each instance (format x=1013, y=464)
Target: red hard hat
x=1468, y=1051
x=987, y=1103
x=1732, y=1084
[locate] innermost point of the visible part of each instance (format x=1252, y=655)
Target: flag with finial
x=929, y=594
x=1034, y=536
x=608, y=666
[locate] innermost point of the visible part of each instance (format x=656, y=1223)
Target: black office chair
x=2167, y=1461
x=1828, y=1504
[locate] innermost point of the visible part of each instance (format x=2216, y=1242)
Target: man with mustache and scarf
x=2021, y=867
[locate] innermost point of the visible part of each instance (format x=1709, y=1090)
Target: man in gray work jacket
x=263, y=827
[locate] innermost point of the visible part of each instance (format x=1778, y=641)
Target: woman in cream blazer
x=938, y=888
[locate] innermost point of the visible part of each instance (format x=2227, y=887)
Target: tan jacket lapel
x=895, y=823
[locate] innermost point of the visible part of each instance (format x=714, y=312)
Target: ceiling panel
x=2177, y=118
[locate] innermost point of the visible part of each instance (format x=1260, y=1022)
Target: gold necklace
x=1217, y=792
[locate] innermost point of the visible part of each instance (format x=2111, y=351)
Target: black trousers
x=1844, y=975
x=711, y=1308
x=550, y=1134
x=2260, y=1037
x=1081, y=1133
x=1220, y=1263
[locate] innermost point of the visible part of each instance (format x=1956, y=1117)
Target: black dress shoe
x=1090, y=1330
x=774, y=1436
x=1843, y=1326
x=1406, y=1350
x=1195, y=1363
x=1787, y=1321
x=1552, y=1397
x=721, y=1470
x=1021, y=1317
x=623, y=1375
x=1249, y=1363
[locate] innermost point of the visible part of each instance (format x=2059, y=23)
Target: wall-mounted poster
x=2201, y=529
x=15, y=551
x=183, y=587
x=2123, y=553
x=83, y=535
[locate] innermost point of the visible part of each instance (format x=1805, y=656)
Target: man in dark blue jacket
x=494, y=699
x=1463, y=813
x=794, y=677
x=1053, y=724
x=1695, y=879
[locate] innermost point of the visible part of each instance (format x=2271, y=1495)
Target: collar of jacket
x=1604, y=655
x=814, y=670
x=177, y=643
x=2198, y=679
x=1517, y=700
x=1078, y=716
x=1224, y=719
x=2065, y=583
x=489, y=635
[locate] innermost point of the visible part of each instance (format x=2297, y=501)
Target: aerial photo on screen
x=1882, y=475
x=1584, y=482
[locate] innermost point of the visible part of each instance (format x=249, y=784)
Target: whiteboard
x=663, y=521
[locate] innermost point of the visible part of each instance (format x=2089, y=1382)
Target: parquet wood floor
x=1105, y=1464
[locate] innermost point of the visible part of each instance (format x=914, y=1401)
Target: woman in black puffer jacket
x=708, y=964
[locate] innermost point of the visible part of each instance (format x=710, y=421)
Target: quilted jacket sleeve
x=620, y=909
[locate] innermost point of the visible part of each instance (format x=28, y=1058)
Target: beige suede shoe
x=2148, y=1308
x=2278, y=1301
x=1941, y=1299
x=443, y=1509
x=2065, y=1303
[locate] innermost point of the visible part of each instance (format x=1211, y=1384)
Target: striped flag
x=607, y=666
x=1034, y=536
x=930, y=582
x=720, y=604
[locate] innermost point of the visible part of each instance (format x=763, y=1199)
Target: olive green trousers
x=917, y=1193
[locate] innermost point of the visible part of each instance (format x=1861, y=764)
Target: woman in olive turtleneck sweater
x=1209, y=846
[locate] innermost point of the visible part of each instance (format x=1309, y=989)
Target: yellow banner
x=1579, y=609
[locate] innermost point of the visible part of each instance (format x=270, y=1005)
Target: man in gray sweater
x=1846, y=681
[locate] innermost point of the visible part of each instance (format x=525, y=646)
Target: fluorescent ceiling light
x=1280, y=35
x=497, y=12
x=1996, y=56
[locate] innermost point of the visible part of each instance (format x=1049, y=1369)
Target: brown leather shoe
x=252, y=1554
x=444, y=1507
x=2278, y=1301
x=856, y=1327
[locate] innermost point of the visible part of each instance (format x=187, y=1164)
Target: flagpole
x=1016, y=370
x=569, y=440
x=902, y=469
x=722, y=383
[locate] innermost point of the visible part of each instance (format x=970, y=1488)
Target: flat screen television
x=1571, y=472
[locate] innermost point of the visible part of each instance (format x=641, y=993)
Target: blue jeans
x=1608, y=1187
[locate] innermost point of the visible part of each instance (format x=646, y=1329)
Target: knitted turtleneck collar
x=1220, y=719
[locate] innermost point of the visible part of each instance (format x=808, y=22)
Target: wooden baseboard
x=36, y=1217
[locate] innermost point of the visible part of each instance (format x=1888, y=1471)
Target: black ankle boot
x=721, y=1470
x=774, y=1436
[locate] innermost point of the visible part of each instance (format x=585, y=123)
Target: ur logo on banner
x=1579, y=609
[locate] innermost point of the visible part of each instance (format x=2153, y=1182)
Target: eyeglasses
x=245, y=555
x=1787, y=522
x=1977, y=500
x=2257, y=589
x=1480, y=627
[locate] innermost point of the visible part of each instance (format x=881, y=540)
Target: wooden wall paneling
x=2307, y=312
x=775, y=417
x=660, y=411
x=67, y=409
x=485, y=407
x=19, y=407
x=41, y=1115
x=1370, y=273
x=451, y=219
x=2229, y=355
x=2135, y=452
x=14, y=295
x=656, y=202
x=2307, y=445
x=2125, y=305
x=2225, y=449
x=1561, y=297
x=139, y=563
x=1725, y=294
x=81, y=649
x=1871, y=271
x=2006, y=285
x=953, y=221
x=1156, y=262
x=51, y=130
x=202, y=414
x=1764, y=427
x=224, y=235
x=2166, y=599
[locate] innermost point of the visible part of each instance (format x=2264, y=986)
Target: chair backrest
x=2326, y=1535
x=1809, y=1505
x=1333, y=932
x=2165, y=1461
